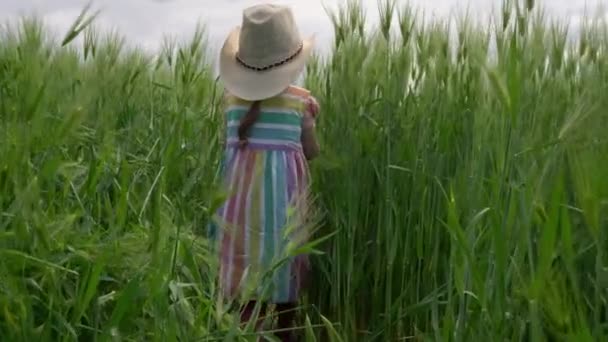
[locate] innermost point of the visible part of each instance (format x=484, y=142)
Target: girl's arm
x=309, y=138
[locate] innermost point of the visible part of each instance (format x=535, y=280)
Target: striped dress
x=263, y=220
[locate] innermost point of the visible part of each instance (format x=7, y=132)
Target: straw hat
x=265, y=55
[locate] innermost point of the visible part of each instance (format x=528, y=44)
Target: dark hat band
x=273, y=65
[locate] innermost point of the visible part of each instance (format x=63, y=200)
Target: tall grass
x=464, y=186
x=106, y=158
x=468, y=186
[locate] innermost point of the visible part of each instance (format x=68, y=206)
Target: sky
x=145, y=22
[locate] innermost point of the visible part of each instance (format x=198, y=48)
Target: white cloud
x=144, y=22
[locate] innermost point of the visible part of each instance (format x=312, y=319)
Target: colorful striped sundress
x=264, y=216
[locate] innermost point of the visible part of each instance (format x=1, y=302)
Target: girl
x=270, y=137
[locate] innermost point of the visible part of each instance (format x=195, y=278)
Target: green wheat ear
x=80, y=24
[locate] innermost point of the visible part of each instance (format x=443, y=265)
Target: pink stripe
x=239, y=219
x=302, y=190
x=248, y=174
x=302, y=174
x=226, y=241
x=230, y=207
x=292, y=179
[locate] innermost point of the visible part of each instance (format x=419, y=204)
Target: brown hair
x=247, y=121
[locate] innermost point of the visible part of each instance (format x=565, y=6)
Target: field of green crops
x=463, y=183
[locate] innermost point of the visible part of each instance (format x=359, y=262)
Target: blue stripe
x=286, y=117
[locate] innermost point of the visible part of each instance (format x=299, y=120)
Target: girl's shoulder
x=293, y=97
x=292, y=92
x=298, y=91
x=310, y=103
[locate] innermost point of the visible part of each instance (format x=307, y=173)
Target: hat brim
x=252, y=85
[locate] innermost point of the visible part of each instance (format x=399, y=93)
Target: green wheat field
x=462, y=189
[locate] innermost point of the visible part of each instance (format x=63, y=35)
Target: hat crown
x=268, y=35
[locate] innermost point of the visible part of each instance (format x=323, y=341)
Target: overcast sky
x=144, y=22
